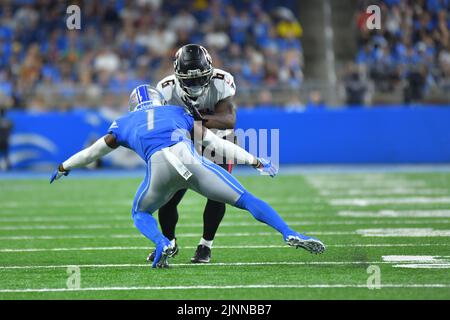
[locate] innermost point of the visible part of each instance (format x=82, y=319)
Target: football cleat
x=163, y=249
x=173, y=253
x=310, y=244
x=202, y=254
x=164, y=260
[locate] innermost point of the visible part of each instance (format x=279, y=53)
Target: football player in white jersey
x=196, y=83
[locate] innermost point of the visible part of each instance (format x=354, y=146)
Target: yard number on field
x=374, y=279
x=74, y=279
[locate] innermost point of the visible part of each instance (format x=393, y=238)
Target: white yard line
x=418, y=262
x=396, y=214
x=128, y=203
x=212, y=264
x=6, y=250
x=224, y=224
x=18, y=214
x=401, y=232
x=384, y=192
x=293, y=211
x=80, y=236
x=375, y=201
x=423, y=266
x=237, y=247
x=370, y=245
x=127, y=236
x=369, y=185
x=348, y=176
x=133, y=236
x=415, y=259
x=404, y=232
x=227, y=287
x=359, y=178
x=63, y=218
x=66, y=227
x=57, y=203
x=101, y=216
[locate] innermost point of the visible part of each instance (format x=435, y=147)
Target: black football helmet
x=193, y=69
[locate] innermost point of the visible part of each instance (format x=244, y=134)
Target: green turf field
x=397, y=222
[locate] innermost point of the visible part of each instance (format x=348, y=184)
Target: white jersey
x=221, y=87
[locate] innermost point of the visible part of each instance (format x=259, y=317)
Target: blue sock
x=148, y=226
x=263, y=212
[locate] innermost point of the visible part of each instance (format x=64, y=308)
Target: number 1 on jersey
x=150, y=119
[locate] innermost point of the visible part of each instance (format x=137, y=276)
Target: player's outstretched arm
x=232, y=151
x=100, y=148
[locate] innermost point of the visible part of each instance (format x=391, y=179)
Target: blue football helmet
x=145, y=96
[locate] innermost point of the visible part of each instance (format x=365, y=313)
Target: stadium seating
x=123, y=43
x=410, y=54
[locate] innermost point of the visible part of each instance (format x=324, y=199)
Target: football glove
x=58, y=174
x=162, y=253
x=266, y=167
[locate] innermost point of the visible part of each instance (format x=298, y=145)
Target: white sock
x=172, y=242
x=206, y=242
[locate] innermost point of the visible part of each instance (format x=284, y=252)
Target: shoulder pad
x=224, y=84
x=166, y=86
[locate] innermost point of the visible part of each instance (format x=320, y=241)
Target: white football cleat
x=310, y=244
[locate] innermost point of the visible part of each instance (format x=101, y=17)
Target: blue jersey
x=149, y=130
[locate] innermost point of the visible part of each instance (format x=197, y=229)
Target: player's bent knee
x=215, y=204
x=147, y=225
x=169, y=206
x=254, y=205
x=244, y=200
x=173, y=201
x=135, y=211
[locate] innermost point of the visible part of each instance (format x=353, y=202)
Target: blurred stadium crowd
x=44, y=66
x=122, y=43
x=411, y=51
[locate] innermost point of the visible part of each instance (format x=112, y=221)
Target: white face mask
x=195, y=91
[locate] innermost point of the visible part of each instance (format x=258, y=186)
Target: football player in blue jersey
x=161, y=137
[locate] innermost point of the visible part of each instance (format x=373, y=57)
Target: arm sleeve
x=86, y=156
x=227, y=149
